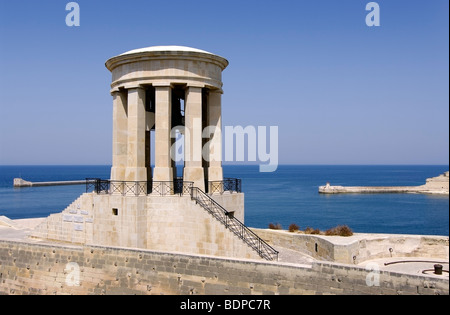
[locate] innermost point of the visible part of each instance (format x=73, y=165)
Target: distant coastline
x=438, y=185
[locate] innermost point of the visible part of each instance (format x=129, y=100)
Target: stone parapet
x=28, y=268
x=359, y=247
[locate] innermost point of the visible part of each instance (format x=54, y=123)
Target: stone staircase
x=263, y=249
x=71, y=225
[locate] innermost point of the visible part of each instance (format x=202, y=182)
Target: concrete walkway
x=286, y=255
x=409, y=265
x=18, y=230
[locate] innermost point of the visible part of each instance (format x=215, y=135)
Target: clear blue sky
x=341, y=92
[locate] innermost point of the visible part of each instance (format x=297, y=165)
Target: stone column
x=120, y=137
x=193, y=169
x=163, y=120
x=136, y=167
x=215, y=172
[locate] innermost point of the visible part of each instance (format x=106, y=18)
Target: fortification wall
x=28, y=268
x=359, y=247
x=169, y=223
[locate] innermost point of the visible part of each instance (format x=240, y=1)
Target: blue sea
x=289, y=195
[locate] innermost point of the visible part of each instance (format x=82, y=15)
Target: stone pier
x=437, y=185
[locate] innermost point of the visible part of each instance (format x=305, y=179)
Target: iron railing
x=178, y=186
x=227, y=184
x=138, y=188
x=263, y=249
x=124, y=188
x=97, y=185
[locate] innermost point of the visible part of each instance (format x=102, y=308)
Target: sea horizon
x=255, y=164
x=289, y=195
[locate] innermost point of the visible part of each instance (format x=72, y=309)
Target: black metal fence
x=227, y=184
x=178, y=186
x=97, y=185
x=162, y=188
x=138, y=188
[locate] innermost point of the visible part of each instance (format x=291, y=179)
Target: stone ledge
x=359, y=247
x=40, y=269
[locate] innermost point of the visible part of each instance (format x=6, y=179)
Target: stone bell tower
x=165, y=90
x=157, y=89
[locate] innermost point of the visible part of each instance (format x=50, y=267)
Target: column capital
x=117, y=92
x=195, y=85
x=135, y=87
x=124, y=88
x=162, y=84
x=215, y=91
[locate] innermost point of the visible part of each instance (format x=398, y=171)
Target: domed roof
x=166, y=48
x=151, y=52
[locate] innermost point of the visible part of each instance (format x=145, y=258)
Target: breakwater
x=19, y=182
x=436, y=185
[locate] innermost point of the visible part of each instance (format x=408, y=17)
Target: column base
x=215, y=179
x=136, y=174
x=163, y=174
x=195, y=175
x=118, y=173
x=215, y=174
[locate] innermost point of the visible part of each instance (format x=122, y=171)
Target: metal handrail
x=263, y=249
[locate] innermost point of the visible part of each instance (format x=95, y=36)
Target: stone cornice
x=114, y=62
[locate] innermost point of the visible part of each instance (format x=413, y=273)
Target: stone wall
x=178, y=224
x=27, y=268
x=73, y=225
x=232, y=202
x=359, y=247
x=170, y=223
